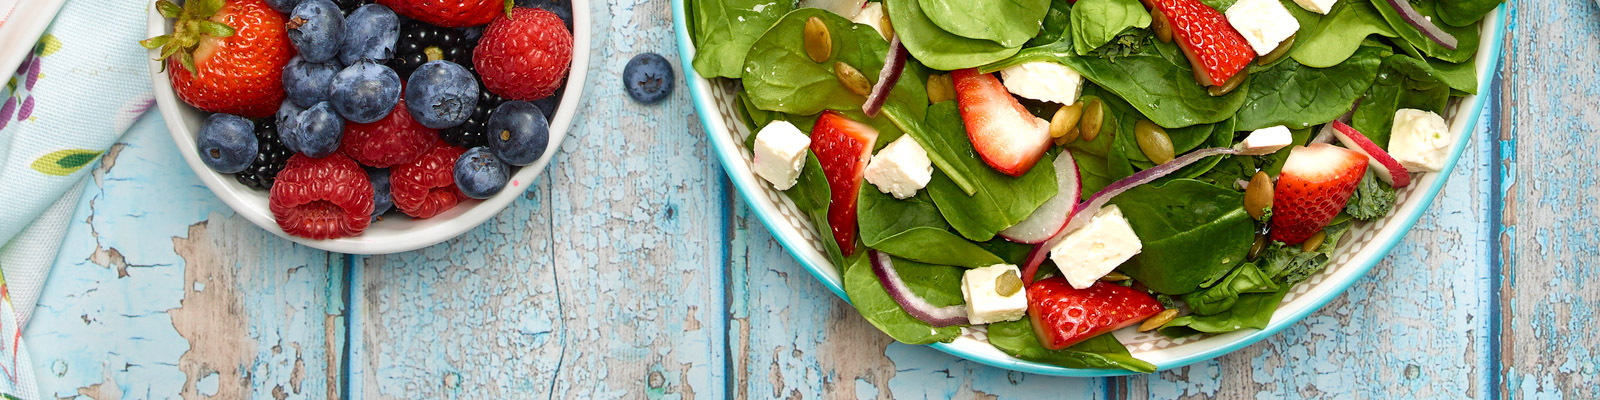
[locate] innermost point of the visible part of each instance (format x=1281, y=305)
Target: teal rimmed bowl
x=1370, y=242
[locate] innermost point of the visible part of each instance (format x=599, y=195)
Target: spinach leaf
x=1326, y=41
x=779, y=76
x=1465, y=12
x=1222, y=296
x=940, y=285
x=1462, y=76
x=1249, y=311
x=1372, y=198
x=1007, y=22
x=1466, y=37
x=1012, y=252
x=1403, y=82
x=725, y=29
x=1299, y=96
x=935, y=47
x=811, y=194
x=1192, y=233
x=1000, y=200
x=1056, y=22
x=944, y=151
x=1092, y=173
x=1017, y=339
x=913, y=229
x=1096, y=22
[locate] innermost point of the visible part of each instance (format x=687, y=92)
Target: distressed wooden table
x=632, y=270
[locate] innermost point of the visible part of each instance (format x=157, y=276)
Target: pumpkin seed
x=1228, y=86
x=1153, y=141
x=941, y=88
x=1065, y=119
x=1255, y=248
x=819, y=44
x=1115, y=276
x=1156, y=321
x=1258, y=195
x=1159, y=24
x=1072, y=134
x=1094, y=113
x=888, y=28
x=1008, y=283
x=1314, y=242
x=1277, y=53
x=852, y=79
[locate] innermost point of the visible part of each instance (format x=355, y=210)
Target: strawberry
x=1063, y=316
x=426, y=186
x=448, y=13
x=1216, y=51
x=395, y=139
x=1005, y=134
x=225, y=56
x=843, y=147
x=524, y=56
x=321, y=198
x=1316, y=182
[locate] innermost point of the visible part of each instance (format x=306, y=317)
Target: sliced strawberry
x=843, y=147
x=1316, y=183
x=1063, y=316
x=1389, y=170
x=1216, y=51
x=1005, y=134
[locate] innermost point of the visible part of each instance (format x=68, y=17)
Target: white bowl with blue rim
x=396, y=232
x=719, y=113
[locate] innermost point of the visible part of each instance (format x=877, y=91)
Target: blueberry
x=288, y=119
x=227, y=143
x=283, y=6
x=518, y=132
x=479, y=174
x=648, y=78
x=317, y=131
x=306, y=83
x=316, y=28
x=548, y=105
x=441, y=94
x=365, y=92
x=370, y=33
x=382, y=201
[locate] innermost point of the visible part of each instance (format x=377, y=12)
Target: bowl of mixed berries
x=370, y=127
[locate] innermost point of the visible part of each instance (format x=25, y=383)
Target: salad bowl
x=389, y=235
x=1364, y=246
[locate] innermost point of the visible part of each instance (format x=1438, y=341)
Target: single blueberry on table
x=317, y=132
x=479, y=174
x=288, y=119
x=382, y=201
x=306, y=83
x=370, y=33
x=648, y=78
x=441, y=94
x=283, y=6
x=518, y=132
x=365, y=92
x=227, y=143
x=316, y=28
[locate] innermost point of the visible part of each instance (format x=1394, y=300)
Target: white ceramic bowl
x=1366, y=245
x=395, y=233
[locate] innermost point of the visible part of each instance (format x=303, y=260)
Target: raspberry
x=395, y=139
x=524, y=56
x=322, y=198
x=426, y=186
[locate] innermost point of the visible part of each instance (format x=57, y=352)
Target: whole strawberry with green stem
x=225, y=56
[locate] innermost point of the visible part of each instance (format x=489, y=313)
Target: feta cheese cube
x=1420, y=140
x=780, y=153
x=1044, y=81
x=985, y=304
x=1266, y=141
x=1317, y=6
x=872, y=15
x=1097, y=248
x=1264, y=23
x=901, y=168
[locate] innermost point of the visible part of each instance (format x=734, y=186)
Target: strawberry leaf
x=168, y=9
x=216, y=29
x=155, y=42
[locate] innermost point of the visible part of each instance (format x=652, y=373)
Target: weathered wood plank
x=160, y=291
x=1549, y=199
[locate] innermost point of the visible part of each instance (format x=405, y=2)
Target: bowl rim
x=1387, y=236
x=475, y=212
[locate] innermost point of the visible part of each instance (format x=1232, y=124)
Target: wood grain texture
x=1549, y=199
x=161, y=292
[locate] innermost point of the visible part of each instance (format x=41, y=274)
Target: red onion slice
x=887, y=77
x=1087, y=209
x=920, y=309
x=1423, y=24
x=1050, y=217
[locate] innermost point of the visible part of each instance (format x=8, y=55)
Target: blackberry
x=421, y=42
x=350, y=5
x=270, y=157
x=470, y=134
